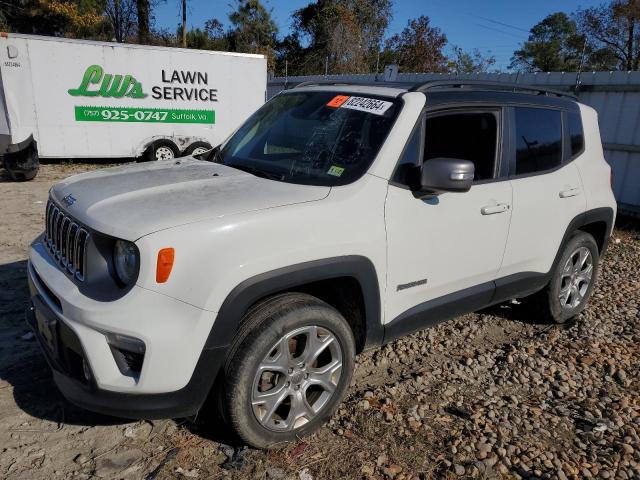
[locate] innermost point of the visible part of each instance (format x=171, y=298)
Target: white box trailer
x=65, y=99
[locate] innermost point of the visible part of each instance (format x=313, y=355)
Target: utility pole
x=326, y=66
x=184, y=23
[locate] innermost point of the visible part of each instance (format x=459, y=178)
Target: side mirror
x=439, y=175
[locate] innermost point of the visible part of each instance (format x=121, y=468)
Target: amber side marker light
x=165, y=264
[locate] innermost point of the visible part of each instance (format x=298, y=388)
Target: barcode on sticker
x=369, y=105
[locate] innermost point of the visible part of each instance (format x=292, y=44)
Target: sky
x=495, y=27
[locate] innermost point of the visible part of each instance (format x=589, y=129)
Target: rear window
x=576, y=134
x=312, y=138
x=538, y=139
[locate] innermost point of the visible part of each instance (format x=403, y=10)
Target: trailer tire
x=161, y=150
x=23, y=177
x=21, y=160
x=197, y=148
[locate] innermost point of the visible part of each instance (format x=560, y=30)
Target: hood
x=134, y=200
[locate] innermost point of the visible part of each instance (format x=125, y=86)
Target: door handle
x=493, y=209
x=569, y=192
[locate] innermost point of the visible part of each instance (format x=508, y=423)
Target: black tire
x=559, y=310
x=23, y=168
x=264, y=326
x=197, y=146
x=160, y=148
x=22, y=176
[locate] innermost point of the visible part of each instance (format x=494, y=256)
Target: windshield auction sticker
x=362, y=104
x=337, y=101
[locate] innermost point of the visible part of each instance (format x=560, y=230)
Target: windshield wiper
x=257, y=172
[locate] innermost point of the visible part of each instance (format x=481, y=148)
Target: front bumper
x=177, y=371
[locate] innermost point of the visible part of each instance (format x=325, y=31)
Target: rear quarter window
x=576, y=134
x=538, y=139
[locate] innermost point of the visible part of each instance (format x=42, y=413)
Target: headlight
x=125, y=259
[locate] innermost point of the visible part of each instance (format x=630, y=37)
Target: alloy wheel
x=575, y=278
x=297, y=378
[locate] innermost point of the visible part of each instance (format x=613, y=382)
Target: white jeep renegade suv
x=337, y=218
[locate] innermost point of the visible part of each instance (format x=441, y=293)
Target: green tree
x=554, y=44
x=217, y=38
x=70, y=18
x=418, y=48
x=197, y=38
x=341, y=36
x=613, y=34
x=212, y=37
x=253, y=30
x=470, y=62
x=121, y=15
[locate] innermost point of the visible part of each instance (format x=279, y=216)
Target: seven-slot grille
x=66, y=240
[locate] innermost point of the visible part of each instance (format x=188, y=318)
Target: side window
x=538, y=139
x=576, y=135
x=465, y=135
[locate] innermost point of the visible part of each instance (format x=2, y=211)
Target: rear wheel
x=573, y=279
x=161, y=150
x=197, y=148
x=288, y=370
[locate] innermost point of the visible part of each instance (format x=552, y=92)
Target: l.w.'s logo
x=96, y=83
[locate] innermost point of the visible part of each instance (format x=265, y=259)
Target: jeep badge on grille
x=69, y=200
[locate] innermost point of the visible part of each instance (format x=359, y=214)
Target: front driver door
x=446, y=250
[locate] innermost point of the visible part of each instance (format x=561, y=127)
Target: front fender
x=288, y=278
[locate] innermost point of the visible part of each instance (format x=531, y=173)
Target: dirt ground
x=498, y=394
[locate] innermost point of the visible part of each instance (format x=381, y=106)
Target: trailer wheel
x=197, y=148
x=161, y=150
x=23, y=177
x=21, y=160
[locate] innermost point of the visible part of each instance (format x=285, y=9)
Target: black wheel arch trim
x=265, y=284
x=602, y=214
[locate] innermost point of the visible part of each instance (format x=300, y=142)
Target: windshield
x=312, y=138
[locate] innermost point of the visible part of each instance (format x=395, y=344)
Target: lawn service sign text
x=177, y=85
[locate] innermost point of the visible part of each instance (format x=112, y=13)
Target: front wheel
x=288, y=370
x=573, y=278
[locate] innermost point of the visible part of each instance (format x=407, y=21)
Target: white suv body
x=386, y=254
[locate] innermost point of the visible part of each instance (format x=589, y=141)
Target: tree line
x=342, y=36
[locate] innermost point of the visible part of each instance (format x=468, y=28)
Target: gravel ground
x=497, y=394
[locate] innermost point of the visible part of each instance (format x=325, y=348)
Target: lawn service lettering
x=199, y=91
x=177, y=85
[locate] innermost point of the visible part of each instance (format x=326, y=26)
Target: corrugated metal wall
x=615, y=95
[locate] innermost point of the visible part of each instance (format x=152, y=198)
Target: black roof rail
x=322, y=82
x=368, y=83
x=507, y=86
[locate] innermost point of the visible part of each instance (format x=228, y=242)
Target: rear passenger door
x=547, y=190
